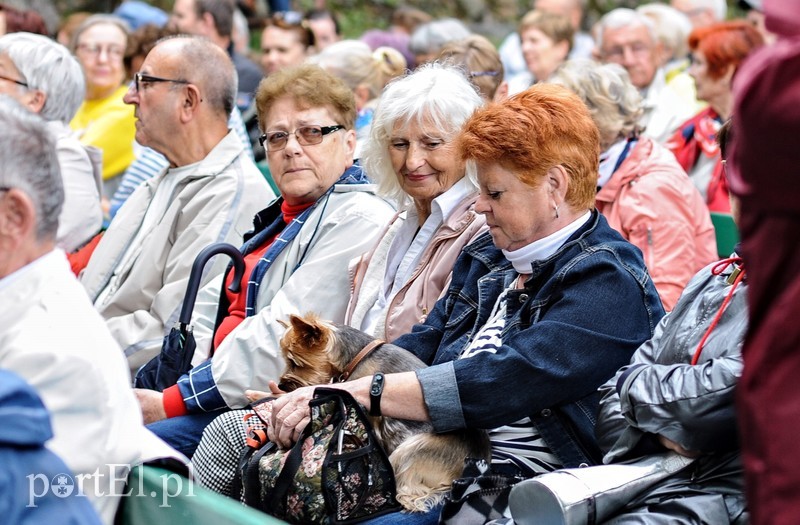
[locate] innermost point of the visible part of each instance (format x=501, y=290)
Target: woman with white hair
x=411, y=155
x=45, y=78
x=642, y=190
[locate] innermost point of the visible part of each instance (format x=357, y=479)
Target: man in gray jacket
x=138, y=273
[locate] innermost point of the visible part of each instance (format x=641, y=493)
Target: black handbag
x=337, y=472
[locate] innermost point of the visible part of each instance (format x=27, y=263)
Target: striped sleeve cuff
x=199, y=390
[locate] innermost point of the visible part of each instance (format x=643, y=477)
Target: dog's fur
x=425, y=464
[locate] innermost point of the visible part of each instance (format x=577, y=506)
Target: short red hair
x=544, y=126
x=725, y=44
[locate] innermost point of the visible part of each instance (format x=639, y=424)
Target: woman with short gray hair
x=642, y=190
x=43, y=76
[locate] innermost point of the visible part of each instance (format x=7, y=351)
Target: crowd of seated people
x=532, y=221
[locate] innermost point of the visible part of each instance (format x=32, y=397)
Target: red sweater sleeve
x=173, y=402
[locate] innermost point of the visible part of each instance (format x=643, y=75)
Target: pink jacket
x=652, y=202
x=429, y=281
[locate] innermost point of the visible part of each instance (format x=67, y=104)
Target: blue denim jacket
x=578, y=319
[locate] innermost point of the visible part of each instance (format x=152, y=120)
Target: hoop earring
x=556, y=208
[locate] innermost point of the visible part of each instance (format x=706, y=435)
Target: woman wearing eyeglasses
x=296, y=259
x=104, y=120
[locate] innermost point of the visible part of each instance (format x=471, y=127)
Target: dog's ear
x=310, y=332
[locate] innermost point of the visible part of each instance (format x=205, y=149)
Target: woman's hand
x=290, y=414
x=671, y=445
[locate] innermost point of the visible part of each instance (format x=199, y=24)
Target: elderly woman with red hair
x=540, y=310
x=717, y=51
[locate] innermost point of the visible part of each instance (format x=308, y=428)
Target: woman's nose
x=482, y=204
x=415, y=157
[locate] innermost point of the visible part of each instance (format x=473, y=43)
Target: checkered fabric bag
x=479, y=496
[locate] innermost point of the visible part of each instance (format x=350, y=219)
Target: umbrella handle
x=196, y=275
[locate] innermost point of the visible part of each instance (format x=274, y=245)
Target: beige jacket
x=249, y=357
x=214, y=203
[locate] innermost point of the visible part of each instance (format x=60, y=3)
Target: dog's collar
x=373, y=345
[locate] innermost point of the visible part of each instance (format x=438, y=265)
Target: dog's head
x=306, y=349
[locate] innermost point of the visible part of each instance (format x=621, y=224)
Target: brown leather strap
x=358, y=358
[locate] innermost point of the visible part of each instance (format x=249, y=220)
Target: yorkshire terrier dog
x=425, y=464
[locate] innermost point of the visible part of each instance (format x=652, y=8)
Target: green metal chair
x=157, y=495
x=726, y=231
x=263, y=166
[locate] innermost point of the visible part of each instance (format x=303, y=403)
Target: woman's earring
x=556, y=208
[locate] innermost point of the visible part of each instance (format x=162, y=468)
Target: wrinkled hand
x=152, y=404
x=671, y=445
x=290, y=414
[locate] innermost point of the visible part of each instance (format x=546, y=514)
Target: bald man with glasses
x=137, y=275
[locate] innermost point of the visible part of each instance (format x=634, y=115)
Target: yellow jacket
x=109, y=125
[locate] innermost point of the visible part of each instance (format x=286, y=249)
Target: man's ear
x=209, y=27
x=17, y=214
x=190, y=103
x=35, y=100
x=660, y=53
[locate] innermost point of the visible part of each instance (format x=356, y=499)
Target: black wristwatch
x=375, y=391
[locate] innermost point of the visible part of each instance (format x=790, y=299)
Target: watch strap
x=375, y=392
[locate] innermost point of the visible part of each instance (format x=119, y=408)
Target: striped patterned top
x=518, y=443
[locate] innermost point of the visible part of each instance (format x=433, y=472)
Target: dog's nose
x=287, y=387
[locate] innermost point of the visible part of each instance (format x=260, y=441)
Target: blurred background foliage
x=494, y=18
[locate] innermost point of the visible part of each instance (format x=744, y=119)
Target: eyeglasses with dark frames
x=306, y=136
x=15, y=81
x=142, y=77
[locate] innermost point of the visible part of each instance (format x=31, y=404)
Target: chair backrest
x=263, y=166
x=726, y=231
x=157, y=495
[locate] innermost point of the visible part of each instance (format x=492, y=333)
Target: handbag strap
x=294, y=457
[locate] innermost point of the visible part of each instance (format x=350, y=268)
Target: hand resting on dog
x=401, y=399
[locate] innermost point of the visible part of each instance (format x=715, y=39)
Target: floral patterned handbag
x=337, y=472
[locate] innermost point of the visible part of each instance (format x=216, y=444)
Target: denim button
x=522, y=298
x=546, y=412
